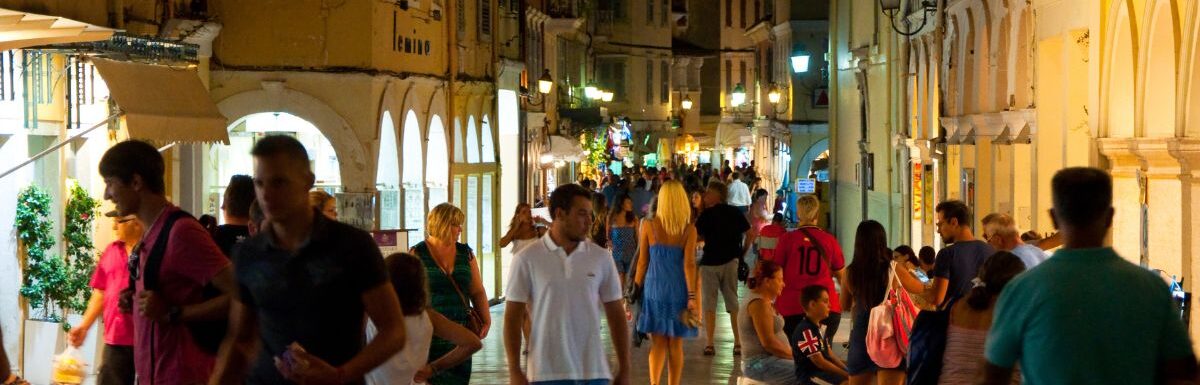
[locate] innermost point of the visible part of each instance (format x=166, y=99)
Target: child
x=810, y=348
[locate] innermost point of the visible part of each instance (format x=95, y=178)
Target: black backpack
x=208, y=334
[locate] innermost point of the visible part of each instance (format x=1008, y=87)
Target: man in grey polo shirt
x=562, y=281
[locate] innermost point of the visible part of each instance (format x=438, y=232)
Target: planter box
x=42, y=341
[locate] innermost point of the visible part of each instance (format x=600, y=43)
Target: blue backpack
x=927, y=345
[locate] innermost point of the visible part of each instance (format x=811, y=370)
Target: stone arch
x=951, y=67
x=1023, y=60
x=1117, y=109
x=813, y=151
x=1189, y=109
x=1157, y=74
x=970, y=64
x=356, y=172
x=1001, y=57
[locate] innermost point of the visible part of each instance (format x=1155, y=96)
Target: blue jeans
x=599, y=381
x=770, y=369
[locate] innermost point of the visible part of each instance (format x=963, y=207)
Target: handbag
x=743, y=270
x=889, y=326
x=474, y=321
x=928, y=344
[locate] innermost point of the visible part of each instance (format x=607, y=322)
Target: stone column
x=992, y=173
x=953, y=166
x=1125, y=165
x=1187, y=151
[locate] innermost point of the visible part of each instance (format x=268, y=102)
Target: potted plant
x=53, y=286
x=78, y=230
x=42, y=281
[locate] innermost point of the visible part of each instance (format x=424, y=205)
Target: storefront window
x=413, y=186
x=387, y=179
x=234, y=159
x=485, y=243
x=472, y=211
x=438, y=174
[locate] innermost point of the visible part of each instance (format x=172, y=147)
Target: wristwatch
x=173, y=313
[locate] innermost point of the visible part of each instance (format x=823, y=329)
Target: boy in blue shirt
x=814, y=363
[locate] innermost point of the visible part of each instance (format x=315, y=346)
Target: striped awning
x=23, y=29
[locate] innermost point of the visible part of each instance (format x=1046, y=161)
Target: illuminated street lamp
x=591, y=92
x=800, y=61
x=545, y=82
x=773, y=95
x=606, y=96
x=686, y=103
x=738, y=97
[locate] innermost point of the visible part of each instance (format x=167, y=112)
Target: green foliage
x=77, y=235
x=596, y=145
x=53, y=283
x=45, y=273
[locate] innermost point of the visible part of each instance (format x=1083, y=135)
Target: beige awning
x=163, y=104
x=733, y=135
x=21, y=29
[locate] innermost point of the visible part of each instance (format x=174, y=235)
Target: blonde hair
x=674, y=207
x=441, y=219
x=807, y=208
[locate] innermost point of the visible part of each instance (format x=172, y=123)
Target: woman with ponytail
x=766, y=355
x=971, y=319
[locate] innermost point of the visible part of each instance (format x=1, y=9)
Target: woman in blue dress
x=622, y=231
x=666, y=272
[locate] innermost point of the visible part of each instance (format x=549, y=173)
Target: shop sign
x=806, y=186
x=357, y=209
x=918, y=192
x=408, y=44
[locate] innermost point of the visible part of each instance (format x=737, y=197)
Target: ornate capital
x=1120, y=152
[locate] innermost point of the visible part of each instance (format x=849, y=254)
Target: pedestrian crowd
x=282, y=292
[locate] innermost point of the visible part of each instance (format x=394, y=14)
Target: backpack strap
x=154, y=259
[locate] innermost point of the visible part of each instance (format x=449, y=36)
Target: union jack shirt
x=807, y=340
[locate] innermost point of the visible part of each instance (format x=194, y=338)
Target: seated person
x=814, y=363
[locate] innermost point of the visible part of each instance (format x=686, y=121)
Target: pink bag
x=890, y=326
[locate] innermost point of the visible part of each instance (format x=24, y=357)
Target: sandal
x=709, y=350
x=737, y=350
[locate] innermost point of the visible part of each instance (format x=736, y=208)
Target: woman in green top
x=449, y=264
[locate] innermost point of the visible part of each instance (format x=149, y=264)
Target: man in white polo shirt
x=562, y=281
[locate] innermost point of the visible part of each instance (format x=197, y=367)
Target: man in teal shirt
x=1087, y=316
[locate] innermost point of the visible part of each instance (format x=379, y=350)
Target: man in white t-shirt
x=561, y=281
x=1000, y=231
x=739, y=194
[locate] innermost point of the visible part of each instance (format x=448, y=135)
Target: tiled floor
x=490, y=366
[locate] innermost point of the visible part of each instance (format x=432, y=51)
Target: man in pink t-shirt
x=108, y=281
x=809, y=256
x=164, y=350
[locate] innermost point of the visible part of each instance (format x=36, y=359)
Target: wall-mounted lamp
x=891, y=8
x=738, y=97
x=800, y=59
x=686, y=103
x=545, y=82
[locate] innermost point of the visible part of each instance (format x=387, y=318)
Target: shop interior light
x=686, y=103
x=774, y=95
x=607, y=96
x=592, y=92
x=547, y=158
x=738, y=97
x=545, y=82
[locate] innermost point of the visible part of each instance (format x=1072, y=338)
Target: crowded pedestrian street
x=599, y=192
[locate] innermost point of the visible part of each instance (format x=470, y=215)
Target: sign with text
x=357, y=209
x=806, y=186
x=918, y=192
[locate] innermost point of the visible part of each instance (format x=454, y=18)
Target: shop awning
x=163, y=104
x=22, y=29
x=733, y=135
x=563, y=148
